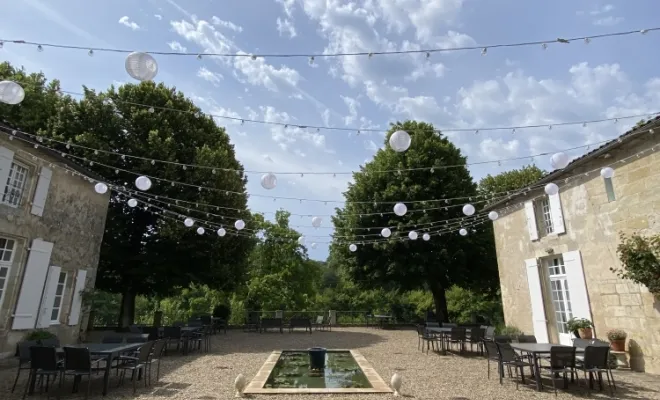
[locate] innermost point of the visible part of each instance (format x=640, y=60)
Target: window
x=15, y=185
x=609, y=189
x=6, y=258
x=545, y=212
x=57, y=302
x=561, y=300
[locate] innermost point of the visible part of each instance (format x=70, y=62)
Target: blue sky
x=508, y=86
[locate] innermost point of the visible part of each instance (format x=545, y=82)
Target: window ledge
x=52, y=323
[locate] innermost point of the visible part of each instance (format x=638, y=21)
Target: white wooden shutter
x=41, y=193
x=76, y=303
x=577, y=287
x=539, y=321
x=531, y=220
x=556, y=212
x=6, y=159
x=34, y=277
x=48, y=297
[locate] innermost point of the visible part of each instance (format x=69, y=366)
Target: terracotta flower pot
x=618, y=345
x=586, y=333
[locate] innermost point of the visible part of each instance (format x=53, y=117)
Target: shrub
x=640, y=258
x=574, y=324
x=509, y=331
x=39, y=334
x=616, y=334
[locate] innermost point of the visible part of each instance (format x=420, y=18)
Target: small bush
x=616, y=334
x=39, y=334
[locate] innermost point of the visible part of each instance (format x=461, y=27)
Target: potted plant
x=617, y=338
x=583, y=326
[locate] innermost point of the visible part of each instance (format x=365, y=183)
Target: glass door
x=561, y=300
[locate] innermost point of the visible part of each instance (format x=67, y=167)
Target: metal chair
x=596, y=361
x=562, y=360
x=457, y=336
x=78, y=362
x=509, y=358
x=156, y=355
x=477, y=335
x=43, y=363
x=136, y=365
x=23, y=359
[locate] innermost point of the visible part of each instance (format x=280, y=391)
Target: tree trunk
x=440, y=301
x=127, y=311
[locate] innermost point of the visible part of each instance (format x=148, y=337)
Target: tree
x=640, y=259
x=147, y=251
x=510, y=180
x=401, y=264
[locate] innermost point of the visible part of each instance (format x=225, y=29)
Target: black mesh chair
x=23, y=359
x=509, y=358
x=423, y=336
x=43, y=364
x=157, y=354
x=502, y=339
x=173, y=335
x=562, y=361
x=50, y=342
x=492, y=354
x=477, y=336
x=596, y=361
x=457, y=336
x=78, y=363
x=136, y=365
x=526, y=339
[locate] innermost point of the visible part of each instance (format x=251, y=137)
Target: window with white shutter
x=41, y=192
x=57, y=300
x=557, y=214
x=15, y=184
x=76, y=302
x=577, y=285
x=6, y=162
x=32, y=287
x=539, y=320
x=7, y=250
x=530, y=215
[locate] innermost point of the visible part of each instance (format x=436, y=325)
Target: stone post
x=279, y=314
x=332, y=314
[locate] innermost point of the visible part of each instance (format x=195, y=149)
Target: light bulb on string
x=316, y=222
x=352, y=247
x=268, y=181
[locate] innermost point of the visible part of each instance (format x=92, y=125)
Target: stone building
x=555, y=252
x=51, y=226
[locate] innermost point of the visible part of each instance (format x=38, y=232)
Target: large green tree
x=510, y=180
x=438, y=264
x=146, y=251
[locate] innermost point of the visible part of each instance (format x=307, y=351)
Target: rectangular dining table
x=537, y=349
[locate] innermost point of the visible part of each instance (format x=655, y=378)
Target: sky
x=514, y=86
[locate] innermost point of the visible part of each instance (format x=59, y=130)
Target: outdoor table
x=537, y=349
x=109, y=351
x=443, y=331
x=382, y=319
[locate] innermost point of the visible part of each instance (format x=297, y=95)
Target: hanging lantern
x=301, y=240
x=268, y=181
x=386, y=232
x=143, y=183
x=607, y=172
x=132, y=203
x=412, y=235
x=141, y=66
x=313, y=245
x=426, y=237
x=316, y=222
x=493, y=215
x=200, y=231
x=400, y=209
x=551, y=189
x=239, y=224
x=101, y=188
x=559, y=160
x=463, y=232
x=188, y=222
x=468, y=209
x=221, y=232
x=400, y=141
x=352, y=248
x=11, y=93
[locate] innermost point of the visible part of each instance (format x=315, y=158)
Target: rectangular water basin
x=288, y=371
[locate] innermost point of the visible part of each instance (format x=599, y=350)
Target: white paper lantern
x=301, y=240
x=189, y=222
x=11, y=92
x=200, y=231
x=468, y=209
x=316, y=222
x=268, y=181
x=607, y=172
x=493, y=215
x=132, y=203
x=239, y=224
x=400, y=209
x=313, y=245
x=141, y=66
x=352, y=247
x=412, y=235
x=426, y=237
x=143, y=183
x=463, y=232
x=222, y=232
x=559, y=160
x=386, y=232
x=400, y=141
x=551, y=189
x=101, y=188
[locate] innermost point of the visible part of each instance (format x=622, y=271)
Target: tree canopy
x=438, y=264
x=146, y=250
x=510, y=180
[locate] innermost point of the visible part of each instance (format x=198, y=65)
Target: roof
x=585, y=158
x=51, y=153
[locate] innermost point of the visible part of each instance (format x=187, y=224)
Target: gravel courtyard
x=209, y=376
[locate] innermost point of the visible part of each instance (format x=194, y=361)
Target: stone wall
x=593, y=225
x=73, y=219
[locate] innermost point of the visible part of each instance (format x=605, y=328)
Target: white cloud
x=259, y=73
x=290, y=132
x=176, y=46
x=492, y=149
x=226, y=24
x=299, y=153
x=158, y=16
x=128, y=23
x=608, y=21
x=371, y=146
x=288, y=6
x=285, y=26
x=353, y=105
x=601, y=19
x=207, y=75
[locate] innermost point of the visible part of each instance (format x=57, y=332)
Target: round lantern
x=316, y=222
x=301, y=240
x=400, y=141
x=132, y=203
x=607, y=172
x=412, y=235
x=200, y=231
x=141, y=66
x=352, y=247
x=143, y=183
x=559, y=160
x=101, y=188
x=468, y=209
x=493, y=215
x=239, y=224
x=188, y=222
x=463, y=232
x=426, y=237
x=400, y=209
x=221, y=232
x=11, y=92
x=268, y=181
x=386, y=232
x=551, y=189
x=313, y=245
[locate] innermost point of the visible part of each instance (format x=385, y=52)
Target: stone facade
x=63, y=215
x=593, y=222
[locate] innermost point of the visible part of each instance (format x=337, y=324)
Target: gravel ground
x=210, y=376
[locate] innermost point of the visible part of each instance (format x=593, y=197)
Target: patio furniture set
x=255, y=323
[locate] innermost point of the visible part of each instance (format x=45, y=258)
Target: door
x=560, y=297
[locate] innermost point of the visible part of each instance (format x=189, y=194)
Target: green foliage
x=509, y=331
x=574, y=324
x=616, y=334
x=640, y=258
x=510, y=180
x=409, y=265
x=462, y=304
x=39, y=334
